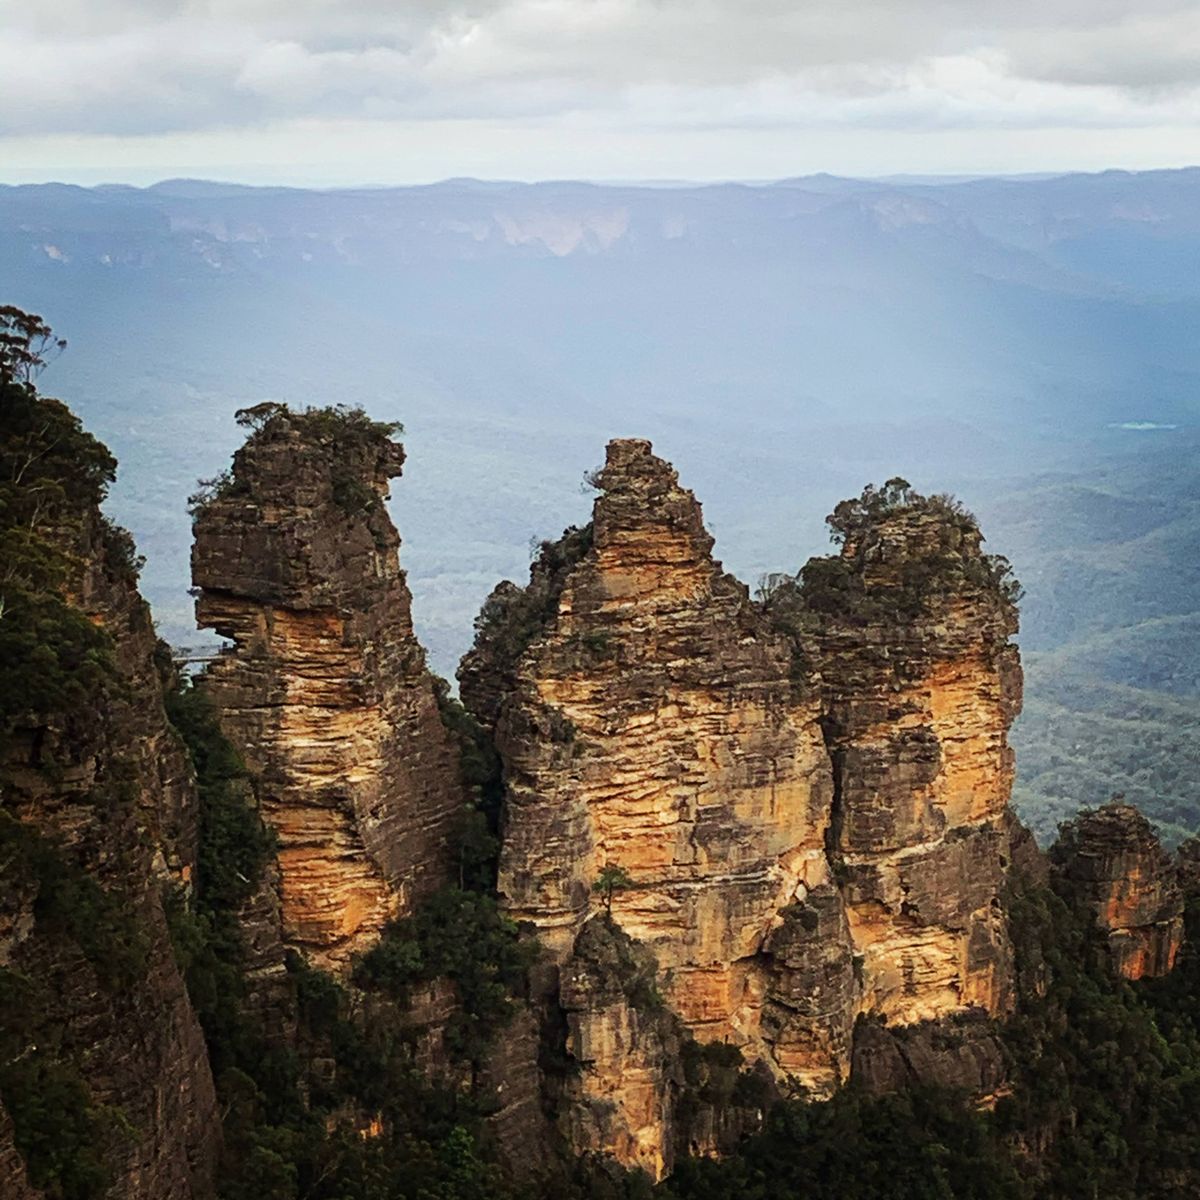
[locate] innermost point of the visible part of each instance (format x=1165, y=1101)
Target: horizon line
x=914, y=178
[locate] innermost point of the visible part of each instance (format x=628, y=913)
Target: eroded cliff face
x=647, y=725
x=908, y=635
x=1111, y=860
x=98, y=824
x=807, y=818
x=325, y=690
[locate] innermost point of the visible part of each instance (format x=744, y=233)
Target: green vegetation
x=511, y=617
x=938, y=555
x=68, y=1142
x=922, y=1145
x=357, y=1073
x=53, y=477
x=69, y=903
x=1107, y=1073
x=932, y=550
x=478, y=839
x=1110, y=636
x=346, y=434
x=461, y=936
x=234, y=845
x=233, y=852
x=611, y=879
x=715, y=1077
x=1084, y=738
x=56, y=666
x=25, y=340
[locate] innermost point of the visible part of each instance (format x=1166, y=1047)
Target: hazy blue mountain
x=1029, y=344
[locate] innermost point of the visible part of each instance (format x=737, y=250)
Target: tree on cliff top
x=25, y=340
x=53, y=476
x=346, y=432
x=858, y=515
x=344, y=424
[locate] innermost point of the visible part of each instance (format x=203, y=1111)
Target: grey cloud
x=130, y=66
x=1144, y=51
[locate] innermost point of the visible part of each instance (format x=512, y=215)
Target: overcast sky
x=383, y=91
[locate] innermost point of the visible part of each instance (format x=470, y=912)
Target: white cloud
x=131, y=68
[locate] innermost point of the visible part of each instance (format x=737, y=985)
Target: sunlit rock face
x=809, y=816
x=1112, y=861
x=919, y=685
x=651, y=725
x=325, y=690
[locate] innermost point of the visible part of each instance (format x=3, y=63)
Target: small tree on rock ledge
x=611, y=879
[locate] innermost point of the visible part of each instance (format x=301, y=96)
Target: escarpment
x=325, y=689
x=104, y=1076
x=798, y=808
x=1111, y=862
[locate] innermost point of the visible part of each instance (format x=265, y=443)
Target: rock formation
x=1112, y=861
x=653, y=729
x=98, y=824
x=807, y=817
x=325, y=690
x=628, y=1043
x=908, y=636
x=763, y=843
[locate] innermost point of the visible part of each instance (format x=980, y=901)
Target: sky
x=334, y=92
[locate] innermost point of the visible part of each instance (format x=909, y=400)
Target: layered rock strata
x=99, y=822
x=1111, y=860
x=801, y=821
x=648, y=727
x=325, y=689
x=908, y=637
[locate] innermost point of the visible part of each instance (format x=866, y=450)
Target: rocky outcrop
x=907, y=633
x=1111, y=860
x=959, y=1052
x=98, y=823
x=325, y=689
x=627, y=1046
x=800, y=806
x=652, y=730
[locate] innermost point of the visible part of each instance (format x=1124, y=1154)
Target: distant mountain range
x=1030, y=344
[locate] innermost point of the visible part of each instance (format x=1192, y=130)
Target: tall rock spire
x=908, y=630
x=650, y=725
x=325, y=689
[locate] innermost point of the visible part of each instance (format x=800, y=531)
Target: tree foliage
x=25, y=341
x=53, y=477
x=461, y=936
x=610, y=880
x=69, y=1140
x=930, y=543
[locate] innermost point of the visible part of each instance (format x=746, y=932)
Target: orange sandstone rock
x=325, y=690
x=1113, y=862
x=808, y=796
